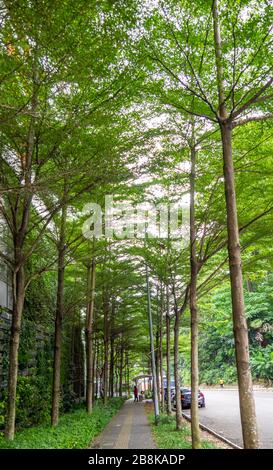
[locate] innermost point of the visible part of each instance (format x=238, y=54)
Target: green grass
x=167, y=437
x=76, y=430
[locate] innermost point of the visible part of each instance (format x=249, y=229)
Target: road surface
x=222, y=415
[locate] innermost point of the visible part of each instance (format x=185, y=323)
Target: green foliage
x=75, y=431
x=2, y=412
x=87, y=83
x=32, y=401
x=262, y=363
x=167, y=437
x=217, y=358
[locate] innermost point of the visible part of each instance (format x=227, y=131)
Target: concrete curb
x=214, y=433
x=236, y=389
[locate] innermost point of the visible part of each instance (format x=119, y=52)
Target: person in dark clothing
x=135, y=393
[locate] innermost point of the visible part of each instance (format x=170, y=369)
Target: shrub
x=262, y=364
x=32, y=402
x=76, y=430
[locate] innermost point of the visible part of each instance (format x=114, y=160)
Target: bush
x=76, y=430
x=32, y=402
x=262, y=363
x=213, y=375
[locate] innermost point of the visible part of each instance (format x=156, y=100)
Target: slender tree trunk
x=112, y=365
x=18, y=303
x=195, y=430
x=94, y=370
x=160, y=351
x=21, y=214
x=121, y=367
x=77, y=360
x=247, y=404
x=168, y=363
x=89, y=334
x=112, y=350
x=106, y=351
x=168, y=353
x=179, y=419
x=150, y=321
x=161, y=367
x=127, y=374
x=56, y=388
x=157, y=361
x=97, y=369
x=249, y=285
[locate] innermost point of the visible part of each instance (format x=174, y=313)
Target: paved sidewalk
x=129, y=429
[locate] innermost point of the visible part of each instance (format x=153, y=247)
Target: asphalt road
x=223, y=416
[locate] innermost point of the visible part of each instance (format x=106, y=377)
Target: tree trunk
x=168, y=354
x=94, y=371
x=89, y=335
x=179, y=419
x=247, y=404
x=152, y=352
x=121, y=367
x=21, y=214
x=195, y=430
x=116, y=381
x=112, y=365
x=157, y=361
x=97, y=370
x=106, y=351
x=160, y=353
x=18, y=303
x=112, y=350
x=127, y=374
x=249, y=285
x=76, y=361
x=56, y=388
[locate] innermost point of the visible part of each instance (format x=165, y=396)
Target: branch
x=259, y=216
x=184, y=305
x=211, y=275
x=53, y=213
x=20, y=110
x=193, y=113
x=186, y=87
x=186, y=55
x=254, y=99
x=246, y=120
x=223, y=244
x=236, y=81
x=44, y=269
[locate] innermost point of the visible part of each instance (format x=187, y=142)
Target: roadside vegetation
x=167, y=437
x=76, y=429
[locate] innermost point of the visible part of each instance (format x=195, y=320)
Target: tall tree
x=89, y=332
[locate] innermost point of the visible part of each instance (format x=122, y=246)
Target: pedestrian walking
x=135, y=393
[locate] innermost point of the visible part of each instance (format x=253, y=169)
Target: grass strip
x=76, y=430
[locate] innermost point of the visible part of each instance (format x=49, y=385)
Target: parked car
x=172, y=387
x=186, y=398
x=172, y=393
